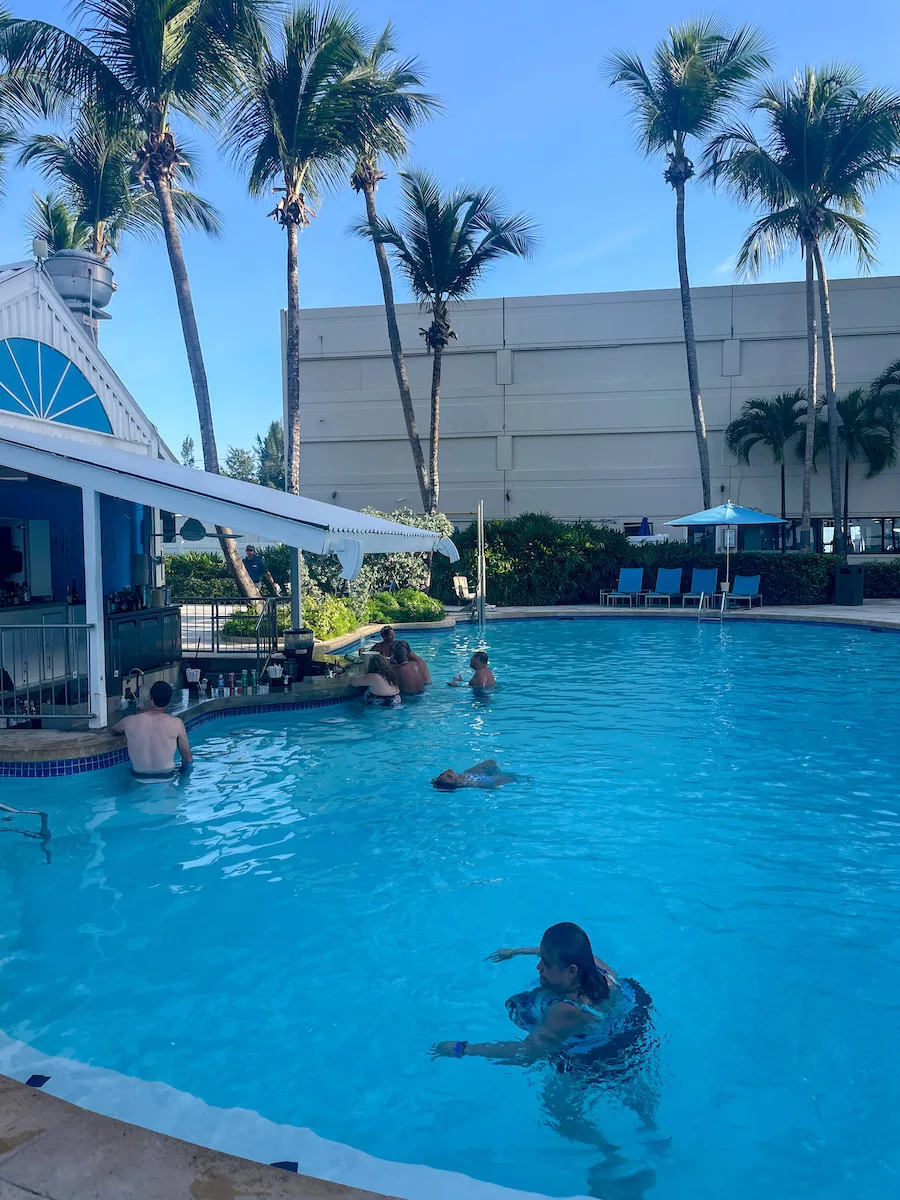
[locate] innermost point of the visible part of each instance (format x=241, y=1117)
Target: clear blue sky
x=527, y=112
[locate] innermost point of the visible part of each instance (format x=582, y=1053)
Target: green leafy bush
x=535, y=559
x=330, y=617
x=243, y=625
x=407, y=604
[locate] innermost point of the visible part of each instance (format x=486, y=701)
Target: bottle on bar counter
x=244, y=682
x=254, y=683
x=231, y=683
x=220, y=687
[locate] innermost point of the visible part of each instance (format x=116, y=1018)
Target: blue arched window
x=38, y=380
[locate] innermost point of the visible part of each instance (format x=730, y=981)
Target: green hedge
x=534, y=559
x=389, y=608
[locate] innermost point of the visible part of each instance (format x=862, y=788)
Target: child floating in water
x=482, y=775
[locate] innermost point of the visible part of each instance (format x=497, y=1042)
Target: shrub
x=243, y=625
x=329, y=617
x=535, y=559
x=405, y=605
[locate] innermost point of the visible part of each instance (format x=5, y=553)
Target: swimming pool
x=286, y=931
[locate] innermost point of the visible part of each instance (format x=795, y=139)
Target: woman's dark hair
x=379, y=665
x=401, y=652
x=569, y=944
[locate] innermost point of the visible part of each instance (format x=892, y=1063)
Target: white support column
x=93, y=607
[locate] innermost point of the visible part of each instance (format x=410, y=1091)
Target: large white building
x=578, y=405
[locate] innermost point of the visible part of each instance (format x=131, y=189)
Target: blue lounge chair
x=668, y=584
x=631, y=581
x=704, y=580
x=745, y=587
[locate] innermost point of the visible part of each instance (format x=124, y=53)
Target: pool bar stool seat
x=668, y=585
x=630, y=585
x=744, y=588
x=704, y=582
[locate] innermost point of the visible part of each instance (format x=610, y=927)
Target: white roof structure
x=33, y=314
x=307, y=524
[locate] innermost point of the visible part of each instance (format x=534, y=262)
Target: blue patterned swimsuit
x=610, y=1033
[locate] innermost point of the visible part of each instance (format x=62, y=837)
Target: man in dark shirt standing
x=257, y=571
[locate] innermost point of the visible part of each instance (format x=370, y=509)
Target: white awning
x=278, y=516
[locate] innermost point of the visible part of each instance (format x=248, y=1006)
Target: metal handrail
x=44, y=671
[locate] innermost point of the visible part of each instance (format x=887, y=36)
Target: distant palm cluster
x=305, y=100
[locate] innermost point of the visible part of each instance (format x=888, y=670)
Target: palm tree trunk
x=812, y=388
x=292, y=407
x=292, y=427
x=847, y=502
x=233, y=560
x=834, y=464
x=435, y=428
x=690, y=346
x=390, y=312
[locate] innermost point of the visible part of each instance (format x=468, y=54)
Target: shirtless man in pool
x=153, y=737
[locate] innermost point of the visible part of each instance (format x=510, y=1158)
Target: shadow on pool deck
x=57, y=1151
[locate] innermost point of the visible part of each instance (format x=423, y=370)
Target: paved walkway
x=53, y=1150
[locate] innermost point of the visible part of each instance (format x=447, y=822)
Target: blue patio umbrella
x=644, y=530
x=728, y=514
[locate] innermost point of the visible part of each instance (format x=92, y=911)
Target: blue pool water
x=290, y=928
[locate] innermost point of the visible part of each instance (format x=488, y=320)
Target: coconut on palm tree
x=395, y=105
x=867, y=432
x=773, y=423
x=691, y=85
x=827, y=145
x=142, y=62
x=443, y=246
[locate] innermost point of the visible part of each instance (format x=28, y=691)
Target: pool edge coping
x=94, y=1154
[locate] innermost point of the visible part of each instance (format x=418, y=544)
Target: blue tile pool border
x=55, y=768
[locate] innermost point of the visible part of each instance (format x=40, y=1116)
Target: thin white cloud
x=598, y=248
x=726, y=266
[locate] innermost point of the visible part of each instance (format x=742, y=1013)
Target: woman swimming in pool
x=580, y=1012
x=483, y=775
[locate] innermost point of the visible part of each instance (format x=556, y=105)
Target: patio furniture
x=631, y=581
x=668, y=584
x=704, y=581
x=745, y=587
x=464, y=595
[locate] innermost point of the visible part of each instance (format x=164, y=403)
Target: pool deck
x=53, y=1150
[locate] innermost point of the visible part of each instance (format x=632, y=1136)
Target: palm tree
x=141, y=62
x=94, y=168
x=395, y=93
x=443, y=247
x=867, y=432
x=269, y=451
x=100, y=198
x=298, y=119
x=694, y=79
x=827, y=146
x=887, y=386
x=774, y=423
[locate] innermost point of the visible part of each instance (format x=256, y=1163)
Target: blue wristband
x=460, y=1049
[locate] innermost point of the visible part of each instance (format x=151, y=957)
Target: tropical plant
x=887, y=386
x=443, y=246
x=95, y=172
x=141, y=62
x=187, y=453
x=693, y=81
x=774, y=423
x=298, y=120
x=828, y=144
x=395, y=105
x=867, y=432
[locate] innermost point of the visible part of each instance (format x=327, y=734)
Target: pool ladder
x=708, y=611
